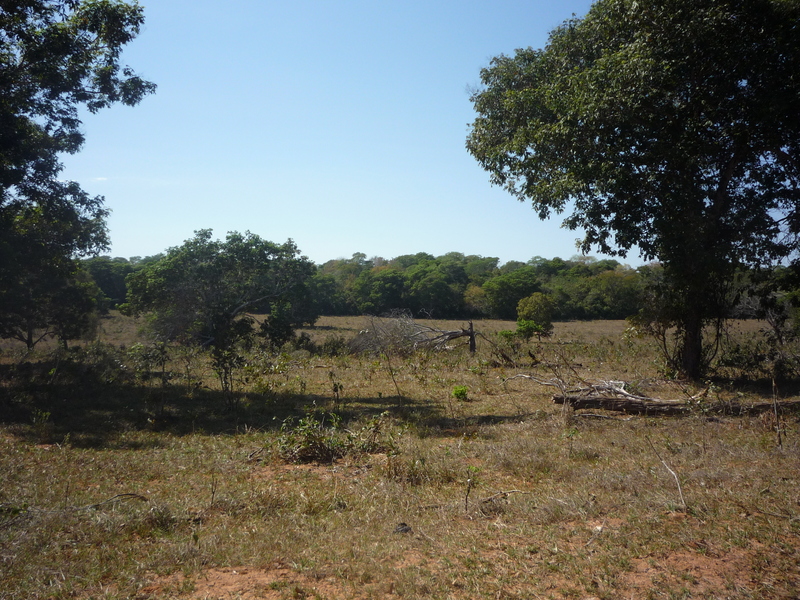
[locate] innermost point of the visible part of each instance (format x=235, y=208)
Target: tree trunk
x=626, y=405
x=472, y=347
x=692, y=350
x=29, y=336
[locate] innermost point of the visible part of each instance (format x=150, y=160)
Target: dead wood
x=400, y=334
x=607, y=417
x=502, y=496
x=626, y=405
x=657, y=407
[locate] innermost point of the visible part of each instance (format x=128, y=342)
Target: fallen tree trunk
x=626, y=405
x=657, y=407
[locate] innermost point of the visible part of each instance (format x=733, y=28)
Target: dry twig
x=502, y=495
x=666, y=466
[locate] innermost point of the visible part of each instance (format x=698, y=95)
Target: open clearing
x=113, y=485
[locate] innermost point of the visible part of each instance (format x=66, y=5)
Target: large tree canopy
x=56, y=56
x=201, y=292
x=668, y=125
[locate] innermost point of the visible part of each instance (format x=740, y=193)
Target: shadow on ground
x=92, y=405
x=46, y=402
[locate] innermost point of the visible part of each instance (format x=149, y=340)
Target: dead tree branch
x=675, y=475
x=657, y=407
x=400, y=334
x=611, y=395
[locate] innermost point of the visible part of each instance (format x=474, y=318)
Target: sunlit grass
x=124, y=488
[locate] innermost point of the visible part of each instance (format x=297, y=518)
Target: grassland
x=116, y=483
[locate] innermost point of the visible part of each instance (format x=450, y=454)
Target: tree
x=505, y=291
x=201, y=292
x=109, y=274
x=55, y=57
x=535, y=316
x=73, y=308
x=328, y=295
x=479, y=268
x=671, y=127
x=405, y=261
x=44, y=304
x=537, y=307
x=436, y=288
x=345, y=274
x=380, y=290
x=476, y=304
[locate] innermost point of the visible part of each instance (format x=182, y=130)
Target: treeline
x=450, y=286
x=207, y=292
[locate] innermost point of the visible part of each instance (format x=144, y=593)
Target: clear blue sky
x=341, y=125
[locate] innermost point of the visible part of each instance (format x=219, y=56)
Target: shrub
x=506, y=335
x=335, y=345
x=460, y=393
x=315, y=437
x=320, y=437
x=527, y=329
x=303, y=342
x=535, y=316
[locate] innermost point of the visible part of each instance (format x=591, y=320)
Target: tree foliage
x=506, y=290
x=671, y=127
x=535, y=316
x=537, y=307
x=55, y=57
x=201, y=293
x=109, y=274
x=44, y=304
x=456, y=286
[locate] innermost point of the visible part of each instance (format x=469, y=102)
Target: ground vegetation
x=424, y=473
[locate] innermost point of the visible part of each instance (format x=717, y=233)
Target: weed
x=373, y=437
x=42, y=426
x=460, y=392
x=159, y=520
x=336, y=387
x=315, y=437
x=319, y=436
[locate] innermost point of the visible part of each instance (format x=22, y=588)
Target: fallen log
x=657, y=407
x=626, y=405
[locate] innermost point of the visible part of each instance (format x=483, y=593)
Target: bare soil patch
x=275, y=582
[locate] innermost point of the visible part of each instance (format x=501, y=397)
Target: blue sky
x=341, y=125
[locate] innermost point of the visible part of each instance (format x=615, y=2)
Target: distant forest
x=451, y=286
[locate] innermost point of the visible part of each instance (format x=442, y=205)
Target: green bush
x=527, y=329
x=507, y=335
x=460, y=393
x=535, y=316
x=335, y=345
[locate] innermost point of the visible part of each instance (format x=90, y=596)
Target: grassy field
x=453, y=476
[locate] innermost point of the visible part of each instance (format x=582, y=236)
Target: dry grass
x=117, y=488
